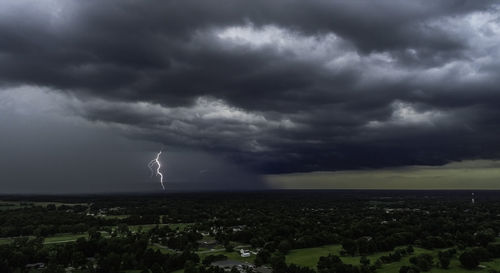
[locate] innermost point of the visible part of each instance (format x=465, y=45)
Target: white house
x=244, y=253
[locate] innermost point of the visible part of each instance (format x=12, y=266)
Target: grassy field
x=235, y=255
x=9, y=205
x=180, y=226
x=114, y=216
x=310, y=256
x=64, y=238
x=68, y=237
x=6, y=205
x=57, y=238
x=4, y=241
x=138, y=271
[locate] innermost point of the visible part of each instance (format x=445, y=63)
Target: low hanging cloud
x=316, y=86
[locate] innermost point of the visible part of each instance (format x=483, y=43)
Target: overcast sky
x=239, y=90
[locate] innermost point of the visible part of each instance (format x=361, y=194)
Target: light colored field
x=4, y=241
x=6, y=205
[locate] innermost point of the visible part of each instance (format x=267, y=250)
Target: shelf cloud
x=275, y=86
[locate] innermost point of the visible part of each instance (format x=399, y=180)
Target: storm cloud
x=275, y=86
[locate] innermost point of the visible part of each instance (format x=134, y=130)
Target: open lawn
x=6, y=205
x=163, y=249
x=64, y=238
x=57, y=238
x=309, y=257
x=180, y=226
x=4, y=241
x=114, y=216
x=235, y=255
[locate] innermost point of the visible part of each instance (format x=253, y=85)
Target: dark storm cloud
x=280, y=86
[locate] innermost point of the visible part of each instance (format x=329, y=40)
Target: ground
x=309, y=257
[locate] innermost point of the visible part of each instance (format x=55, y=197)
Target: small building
x=263, y=269
x=227, y=265
x=244, y=253
x=35, y=266
x=207, y=243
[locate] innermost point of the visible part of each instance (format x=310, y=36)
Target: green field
x=114, y=216
x=57, y=238
x=4, y=241
x=6, y=205
x=235, y=255
x=180, y=226
x=64, y=238
x=69, y=237
x=309, y=257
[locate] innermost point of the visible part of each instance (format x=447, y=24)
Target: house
x=35, y=266
x=207, y=243
x=263, y=269
x=227, y=265
x=244, y=253
x=238, y=228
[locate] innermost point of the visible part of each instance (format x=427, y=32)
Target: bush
x=469, y=260
x=422, y=261
x=444, y=259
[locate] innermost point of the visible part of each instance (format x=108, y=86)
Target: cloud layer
x=278, y=86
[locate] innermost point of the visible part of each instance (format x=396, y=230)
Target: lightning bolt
x=156, y=162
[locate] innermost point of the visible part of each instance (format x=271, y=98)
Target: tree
x=122, y=229
x=110, y=263
x=364, y=261
x=278, y=263
x=156, y=268
x=410, y=249
x=444, y=259
x=78, y=259
x=469, y=260
x=284, y=246
x=263, y=257
x=4, y=267
x=333, y=263
x=422, y=261
x=350, y=246
x=481, y=253
x=54, y=268
x=483, y=237
x=190, y=267
x=229, y=247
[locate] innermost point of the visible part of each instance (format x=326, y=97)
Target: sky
x=248, y=94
